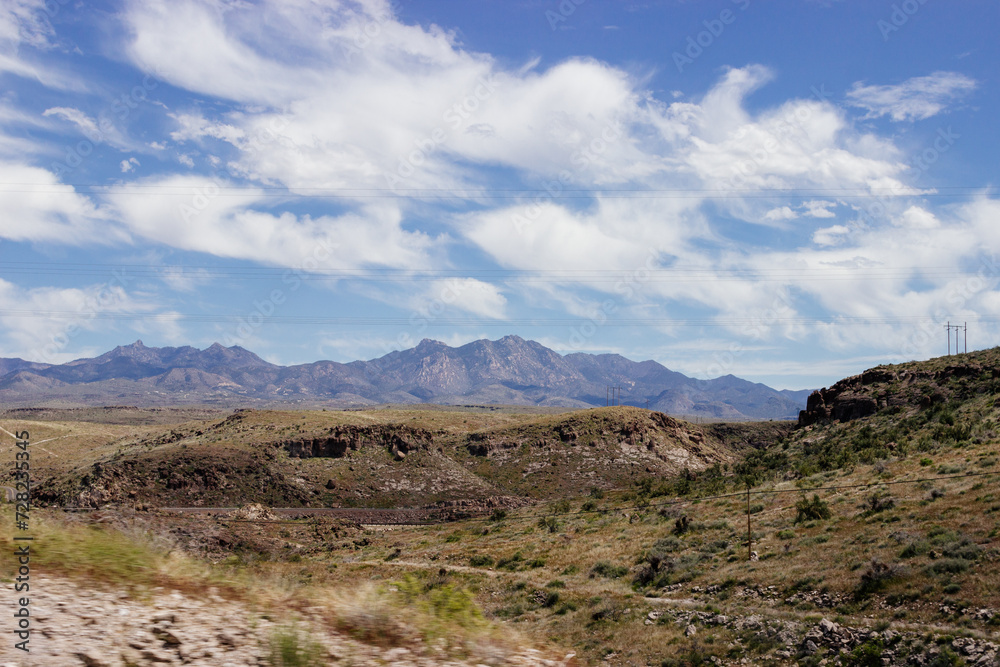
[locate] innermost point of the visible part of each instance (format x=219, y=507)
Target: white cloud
x=87, y=124
x=780, y=213
x=830, y=235
x=819, y=209
x=43, y=209
x=22, y=22
x=58, y=315
x=199, y=214
x=918, y=98
x=129, y=165
x=468, y=294
x=918, y=218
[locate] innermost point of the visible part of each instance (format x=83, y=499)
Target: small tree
x=809, y=510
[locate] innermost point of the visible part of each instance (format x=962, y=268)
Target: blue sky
x=790, y=192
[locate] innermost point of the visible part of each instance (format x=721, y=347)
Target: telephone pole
x=964, y=328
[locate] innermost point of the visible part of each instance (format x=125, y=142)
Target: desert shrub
x=481, y=560
x=868, y=654
x=681, y=525
x=877, y=575
x=511, y=562
x=549, y=523
x=946, y=658
x=668, y=544
x=948, y=566
x=499, y=514
x=714, y=546
x=443, y=606
x=607, y=570
x=550, y=599
x=786, y=534
x=915, y=548
x=561, y=507
x=292, y=647
x=877, y=502
x=810, y=510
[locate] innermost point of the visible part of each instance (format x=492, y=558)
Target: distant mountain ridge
x=510, y=370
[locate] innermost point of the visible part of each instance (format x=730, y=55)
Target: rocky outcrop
x=917, y=385
x=399, y=440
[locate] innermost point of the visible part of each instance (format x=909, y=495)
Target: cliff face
x=914, y=384
x=398, y=440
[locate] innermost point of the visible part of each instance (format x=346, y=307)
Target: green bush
x=948, y=566
x=810, y=510
x=877, y=575
x=868, y=654
x=291, y=647
x=608, y=570
x=481, y=560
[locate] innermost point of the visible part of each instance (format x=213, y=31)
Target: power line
x=461, y=321
x=286, y=192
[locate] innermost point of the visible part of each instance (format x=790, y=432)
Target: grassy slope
x=587, y=576
x=449, y=455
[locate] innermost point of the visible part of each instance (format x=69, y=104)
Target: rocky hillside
x=903, y=387
x=385, y=458
x=508, y=371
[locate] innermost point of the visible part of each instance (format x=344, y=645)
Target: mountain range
x=508, y=371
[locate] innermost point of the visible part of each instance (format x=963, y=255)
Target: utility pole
x=964, y=328
x=749, y=534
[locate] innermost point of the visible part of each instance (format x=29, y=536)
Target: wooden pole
x=749, y=534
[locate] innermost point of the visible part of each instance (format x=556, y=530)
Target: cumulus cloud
x=918, y=98
x=819, y=209
x=41, y=208
x=58, y=315
x=780, y=213
x=203, y=215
